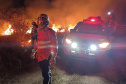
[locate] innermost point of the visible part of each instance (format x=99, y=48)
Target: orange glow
x=70, y=27
x=29, y=31
x=9, y=31
x=63, y=30
x=26, y=43
x=29, y=41
x=55, y=28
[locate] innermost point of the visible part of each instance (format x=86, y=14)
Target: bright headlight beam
x=93, y=47
x=103, y=45
x=74, y=45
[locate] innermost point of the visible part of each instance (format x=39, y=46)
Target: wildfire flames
x=58, y=28
x=70, y=27
x=29, y=31
x=29, y=41
x=55, y=28
x=9, y=31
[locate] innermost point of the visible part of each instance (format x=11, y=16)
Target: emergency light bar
x=93, y=20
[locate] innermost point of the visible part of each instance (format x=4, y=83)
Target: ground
x=61, y=75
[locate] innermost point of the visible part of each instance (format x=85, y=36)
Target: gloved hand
x=32, y=55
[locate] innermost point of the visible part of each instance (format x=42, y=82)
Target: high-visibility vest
x=46, y=43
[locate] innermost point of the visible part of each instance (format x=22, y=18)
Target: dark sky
x=18, y=3
x=66, y=12
x=11, y=3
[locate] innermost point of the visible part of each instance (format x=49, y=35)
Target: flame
x=9, y=31
x=29, y=41
x=29, y=31
x=55, y=28
x=63, y=30
x=70, y=27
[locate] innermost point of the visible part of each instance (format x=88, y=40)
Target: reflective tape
x=43, y=42
x=44, y=46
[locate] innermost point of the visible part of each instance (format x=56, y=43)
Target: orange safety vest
x=46, y=43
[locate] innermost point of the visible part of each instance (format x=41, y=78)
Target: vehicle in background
x=87, y=40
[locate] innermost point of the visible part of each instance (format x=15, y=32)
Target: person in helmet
x=99, y=19
x=34, y=33
x=46, y=47
x=110, y=25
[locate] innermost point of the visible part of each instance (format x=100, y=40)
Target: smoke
x=120, y=7
x=65, y=12
x=4, y=4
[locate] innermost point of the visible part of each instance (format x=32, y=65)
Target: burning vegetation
x=15, y=39
x=15, y=54
x=9, y=31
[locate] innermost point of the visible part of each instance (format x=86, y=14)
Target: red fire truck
x=87, y=40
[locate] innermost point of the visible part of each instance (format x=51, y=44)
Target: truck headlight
x=93, y=47
x=74, y=45
x=104, y=45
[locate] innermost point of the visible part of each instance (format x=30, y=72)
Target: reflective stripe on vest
x=44, y=42
x=47, y=46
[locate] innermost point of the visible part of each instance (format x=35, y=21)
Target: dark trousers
x=45, y=67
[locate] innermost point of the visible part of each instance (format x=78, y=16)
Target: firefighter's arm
x=53, y=39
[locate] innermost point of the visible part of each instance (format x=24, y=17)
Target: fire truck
x=87, y=40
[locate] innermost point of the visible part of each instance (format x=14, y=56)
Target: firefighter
x=110, y=25
x=34, y=33
x=46, y=47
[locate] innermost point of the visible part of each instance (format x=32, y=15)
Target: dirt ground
x=58, y=77
x=61, y=75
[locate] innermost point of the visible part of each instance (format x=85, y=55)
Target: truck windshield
x=89, y=28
